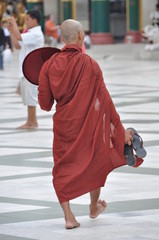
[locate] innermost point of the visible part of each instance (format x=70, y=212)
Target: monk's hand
x=128, y=136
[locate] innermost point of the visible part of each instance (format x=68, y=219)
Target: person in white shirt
x=87, y=40
x=154, y=16
x=27, y=42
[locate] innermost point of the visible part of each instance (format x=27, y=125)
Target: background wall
x=51, y=7
x=82, y=12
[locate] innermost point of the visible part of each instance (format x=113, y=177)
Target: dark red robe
x=88, y=134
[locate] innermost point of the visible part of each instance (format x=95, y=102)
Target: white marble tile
x=107, y=226
x=20, y=171
x=39, y=187
x=8, y=151
x=8, y=207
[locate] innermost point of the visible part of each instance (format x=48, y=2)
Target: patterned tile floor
x=28, y=205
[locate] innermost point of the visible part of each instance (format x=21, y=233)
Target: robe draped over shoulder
x=88, y=134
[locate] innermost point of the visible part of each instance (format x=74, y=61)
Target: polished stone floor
x=29, y=209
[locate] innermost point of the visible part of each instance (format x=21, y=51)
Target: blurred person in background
x=52, y=31
x=154, y=16
x=6, y=33
x=87, y=40
x=2, y=47
x=27, y=42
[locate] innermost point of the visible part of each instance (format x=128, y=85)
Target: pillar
x=100, y=22
x=37, y=5
x=134, y=26
x=68, y=9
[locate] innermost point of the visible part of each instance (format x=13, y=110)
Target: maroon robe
x=88, y=134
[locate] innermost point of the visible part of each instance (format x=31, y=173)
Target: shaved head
x=72, y=32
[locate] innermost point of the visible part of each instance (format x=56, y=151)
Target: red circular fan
x=34, y=60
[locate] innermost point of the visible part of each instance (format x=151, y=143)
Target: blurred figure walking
x=52, y=31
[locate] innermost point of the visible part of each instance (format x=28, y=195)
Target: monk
x=89, y=137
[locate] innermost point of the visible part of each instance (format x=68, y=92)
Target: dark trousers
x=1, y=56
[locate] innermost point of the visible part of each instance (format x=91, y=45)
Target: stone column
x=37, y=5
x=68, y=9
x=100, y=22
x=134, y=15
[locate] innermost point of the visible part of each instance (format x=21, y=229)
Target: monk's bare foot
x=71, y=223
x=28, y=126
x=98, y=209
